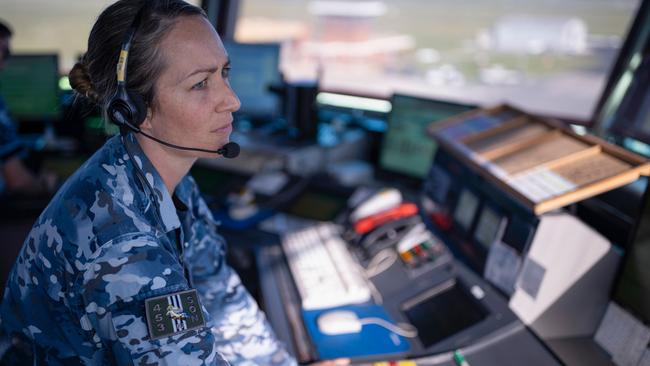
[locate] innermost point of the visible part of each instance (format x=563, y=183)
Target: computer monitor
x=406, y=149
x=255, y=67
x=29, y=85
x=466, y=208
x=488, y=226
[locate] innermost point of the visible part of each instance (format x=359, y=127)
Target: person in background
x=15, y=176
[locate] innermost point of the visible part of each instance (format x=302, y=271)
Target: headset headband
x=126, y=46
x=127, y=109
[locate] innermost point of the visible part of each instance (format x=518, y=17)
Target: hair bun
x=81, y=83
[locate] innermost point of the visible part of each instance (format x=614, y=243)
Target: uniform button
x=186, y=244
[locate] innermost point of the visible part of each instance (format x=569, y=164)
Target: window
x=548, y=57
x=53, y=26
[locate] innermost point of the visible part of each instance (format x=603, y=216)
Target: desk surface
x=499, y=340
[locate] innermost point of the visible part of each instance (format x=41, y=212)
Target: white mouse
x=339, y=322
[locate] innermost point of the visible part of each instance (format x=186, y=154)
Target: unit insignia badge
x=173, y=313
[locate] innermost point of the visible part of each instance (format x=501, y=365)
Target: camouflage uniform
x=104, y=245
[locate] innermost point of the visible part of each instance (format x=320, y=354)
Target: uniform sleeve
x=242, y=333
x=10, y=145
x=117, y=282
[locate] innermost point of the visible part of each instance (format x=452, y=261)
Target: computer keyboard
x=323, y=269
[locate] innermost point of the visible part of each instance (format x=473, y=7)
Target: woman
x=125, y=266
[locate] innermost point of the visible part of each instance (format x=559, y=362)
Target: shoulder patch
x=173, y=313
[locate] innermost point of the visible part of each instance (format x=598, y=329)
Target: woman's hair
x=95, y=75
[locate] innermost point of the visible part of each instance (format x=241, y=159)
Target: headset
x=127, y=109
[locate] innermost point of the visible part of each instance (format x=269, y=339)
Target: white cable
x=381, y=262
x=403, y=329
x=376, y=295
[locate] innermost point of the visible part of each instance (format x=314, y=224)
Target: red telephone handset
x=369, y=223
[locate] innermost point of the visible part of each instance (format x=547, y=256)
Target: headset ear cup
x=127, y=109
x=118, y=112
x=138, y=108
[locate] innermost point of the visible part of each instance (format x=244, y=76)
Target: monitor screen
x=489, y=225
x=406, y=148
x=443, y=311
x=466, y=209
x=30, y=86
x=517, y=234
x=255, y=67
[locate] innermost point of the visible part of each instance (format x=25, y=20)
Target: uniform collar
x=164, y=200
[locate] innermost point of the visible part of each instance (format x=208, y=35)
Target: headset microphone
x=229, y=150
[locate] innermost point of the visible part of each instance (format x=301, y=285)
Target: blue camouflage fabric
x=10, y=144
x=106, y=243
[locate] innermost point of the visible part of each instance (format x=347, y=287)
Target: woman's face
x=193, y=101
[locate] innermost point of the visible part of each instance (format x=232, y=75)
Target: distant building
x=261, y=30
x=346, y=21
x=535, y=35
x=346, y=32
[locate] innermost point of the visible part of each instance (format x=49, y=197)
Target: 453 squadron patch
x=173, y=313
